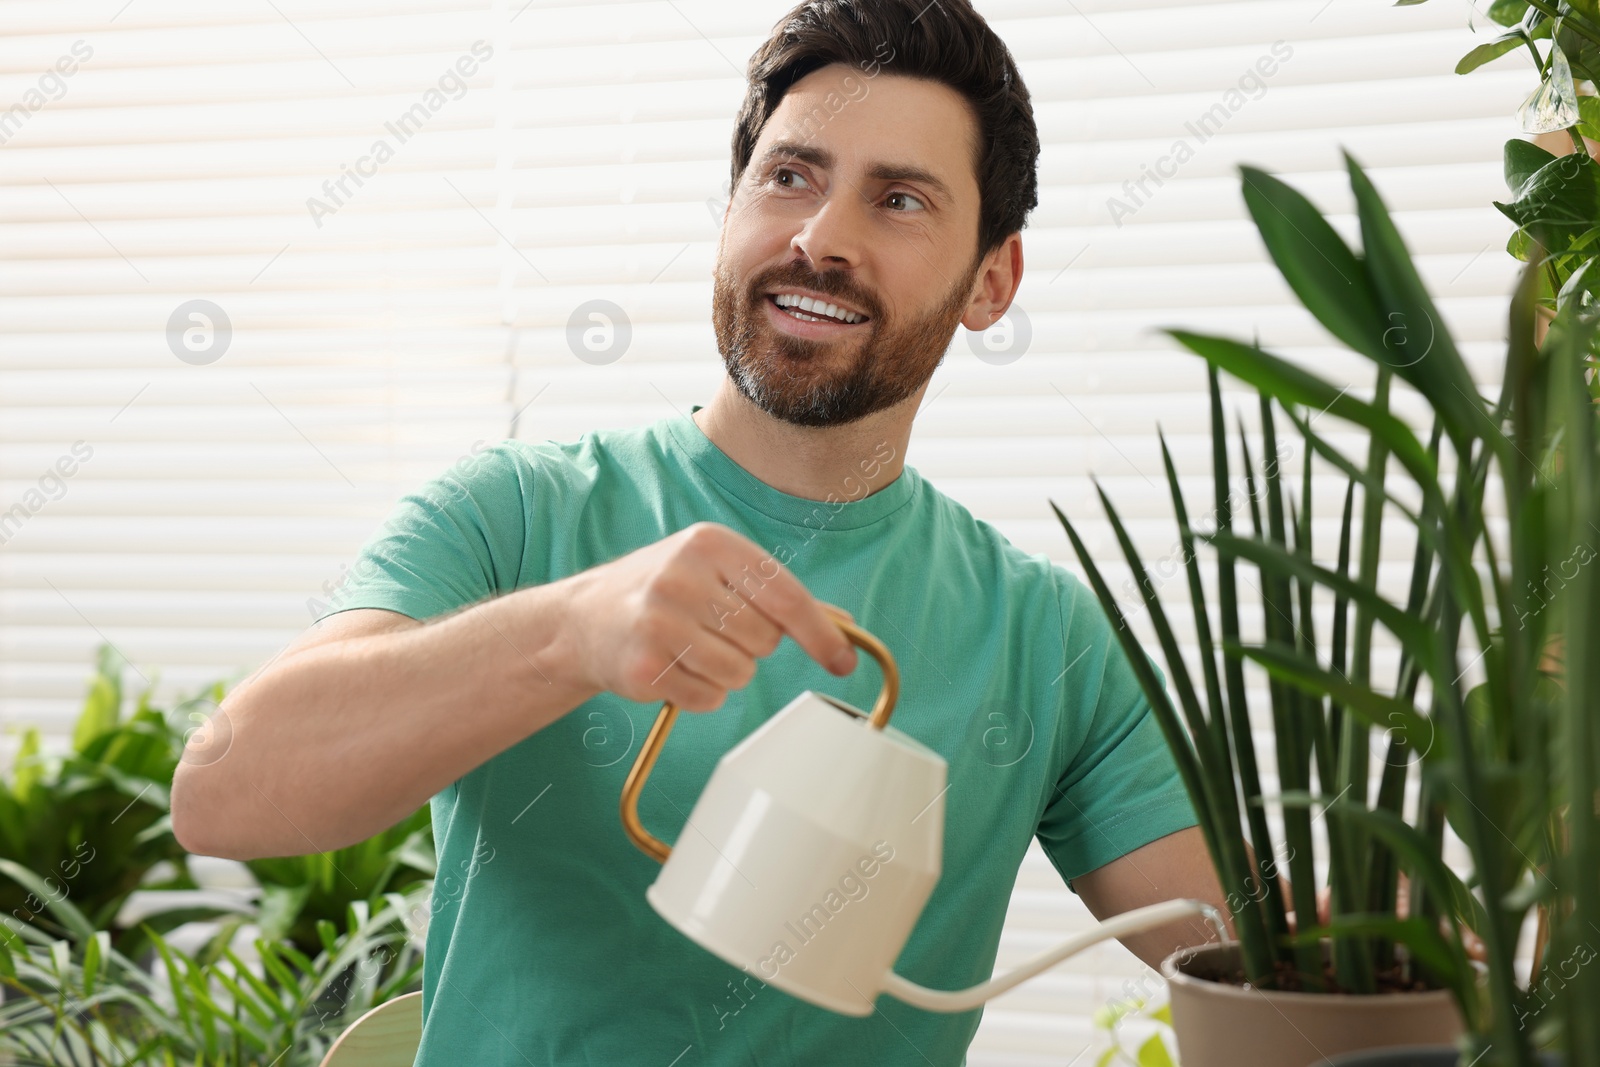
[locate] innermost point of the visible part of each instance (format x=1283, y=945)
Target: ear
x=997, y=282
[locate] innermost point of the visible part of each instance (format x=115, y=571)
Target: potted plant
x=1491, y=745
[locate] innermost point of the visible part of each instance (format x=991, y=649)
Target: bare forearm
x=1168, y=868
x=342, y=740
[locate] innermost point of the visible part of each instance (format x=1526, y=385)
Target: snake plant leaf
x=1274, y=916
x=1255, y=947
x=1441, y=958
x=1188, y=699
x=1373, y=484
x=1218, y=720
x=1165, y=712
x=1417, y=343
x=1418, y=854
x=1291, y=384
x=1321, y=269
x=1288, y=664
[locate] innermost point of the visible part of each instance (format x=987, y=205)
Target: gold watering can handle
x=659, y=850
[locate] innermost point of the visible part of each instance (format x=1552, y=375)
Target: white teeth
x=806, y=303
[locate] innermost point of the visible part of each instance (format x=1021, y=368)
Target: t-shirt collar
x=849, y=510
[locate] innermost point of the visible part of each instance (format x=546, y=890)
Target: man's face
x=860, y=191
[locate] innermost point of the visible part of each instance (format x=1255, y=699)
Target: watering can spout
x=1131, y=922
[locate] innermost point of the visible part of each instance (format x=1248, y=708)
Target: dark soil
x=1289, y=980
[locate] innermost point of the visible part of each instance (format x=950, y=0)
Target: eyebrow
x=879, y=171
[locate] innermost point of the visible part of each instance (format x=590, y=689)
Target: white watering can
x=817, y=841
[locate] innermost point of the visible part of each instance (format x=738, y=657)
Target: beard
x=810, y=382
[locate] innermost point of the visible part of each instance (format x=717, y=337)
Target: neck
x=811, y=462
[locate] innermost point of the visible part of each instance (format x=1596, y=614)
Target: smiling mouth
x=801, y=315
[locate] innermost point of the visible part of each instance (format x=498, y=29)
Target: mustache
x=835, y=284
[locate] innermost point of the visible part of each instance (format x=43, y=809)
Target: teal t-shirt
x=541, y=948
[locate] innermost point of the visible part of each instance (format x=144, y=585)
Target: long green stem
x=1538, y=60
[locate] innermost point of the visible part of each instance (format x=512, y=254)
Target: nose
x=834, y=235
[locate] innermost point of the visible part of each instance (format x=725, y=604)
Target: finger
x=688, y=690
x=717, y=661
x=837, y=608
x=792, y=608
x=752, y=632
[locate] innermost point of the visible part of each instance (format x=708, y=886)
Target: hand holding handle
x=633, y=785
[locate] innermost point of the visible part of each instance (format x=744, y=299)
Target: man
x=511, y=634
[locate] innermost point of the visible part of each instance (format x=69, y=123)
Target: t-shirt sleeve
x=1119, y=787
x=456, y=540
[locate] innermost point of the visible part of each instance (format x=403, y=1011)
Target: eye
x=778, y=172
x=902, y=195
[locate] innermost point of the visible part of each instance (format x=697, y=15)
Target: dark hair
x=945, y=41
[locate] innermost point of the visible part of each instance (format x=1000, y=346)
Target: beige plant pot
x=1224, y=1025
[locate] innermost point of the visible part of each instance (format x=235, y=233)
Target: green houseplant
x=94, y=825
x=76, y=1000
x=1554, y=198
x=1497, y=749
x=80, y=833
x=298, y=893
